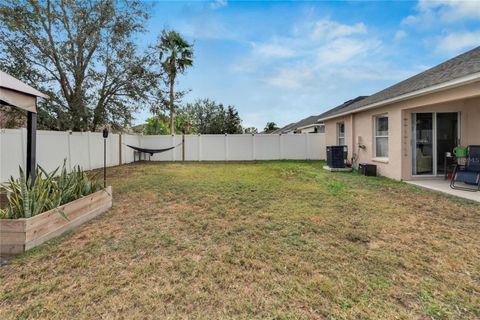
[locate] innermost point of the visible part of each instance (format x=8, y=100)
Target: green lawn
x=274, y=240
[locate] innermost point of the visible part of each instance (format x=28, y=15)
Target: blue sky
x=283, y=61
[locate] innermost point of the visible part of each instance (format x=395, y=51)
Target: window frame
x=376, y=136
x=339, y=125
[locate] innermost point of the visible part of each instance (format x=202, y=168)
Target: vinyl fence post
x=183, y=146
x=69, y=146
x=89, y=151
x=226, y=146
x=173, y=150
x=280, y=145
x=199, y=147
x=307, y=153
x=253, y=146
x=120, y=149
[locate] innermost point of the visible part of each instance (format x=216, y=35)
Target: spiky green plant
x=49, y=191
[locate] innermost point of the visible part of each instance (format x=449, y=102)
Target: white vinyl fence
x=86, y=148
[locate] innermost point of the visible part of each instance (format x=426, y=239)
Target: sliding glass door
x=434, y=134
x=423, y=146
x=447, y=137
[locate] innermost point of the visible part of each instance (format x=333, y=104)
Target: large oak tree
x=82, y=52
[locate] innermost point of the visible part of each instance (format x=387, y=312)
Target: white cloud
x=399, y=35
x=293, y=77
x=313, y=54
x=321, y=58
x=272, y=50
x=216, y=4
x=458, y=41
x=326, y=29
x=345, y=49
x=205, y=27
x=446, y=11
x=313, y=44
x=375, y=72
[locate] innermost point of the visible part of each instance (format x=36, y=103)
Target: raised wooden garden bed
x=19, y=235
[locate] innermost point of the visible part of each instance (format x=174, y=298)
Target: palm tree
x=271, y=126
x=175, y=57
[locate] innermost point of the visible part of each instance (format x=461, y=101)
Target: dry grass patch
x=268, y=240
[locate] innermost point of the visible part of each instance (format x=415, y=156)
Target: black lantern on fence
x=105, y=136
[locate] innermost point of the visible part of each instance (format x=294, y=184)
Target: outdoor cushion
x=470, y=172
x=468, y=177
x=424, y=163
x=474, y=158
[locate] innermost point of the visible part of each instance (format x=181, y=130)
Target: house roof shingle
x=460, y=66
x=295, y=125
x=307, y=121
x=284, y=129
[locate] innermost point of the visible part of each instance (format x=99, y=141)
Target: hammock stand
x=151, y=152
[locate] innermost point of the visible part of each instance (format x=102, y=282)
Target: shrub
x=49, y=191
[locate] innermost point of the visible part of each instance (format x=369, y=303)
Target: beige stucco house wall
x=359, y=127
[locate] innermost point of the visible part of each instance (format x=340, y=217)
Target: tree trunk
x=172, y=104
x=97, y=117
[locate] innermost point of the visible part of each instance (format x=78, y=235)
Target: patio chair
x=469, y=173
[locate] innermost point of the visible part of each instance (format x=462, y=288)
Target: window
x=341, y=134
x=321, y=129
x=381, y=136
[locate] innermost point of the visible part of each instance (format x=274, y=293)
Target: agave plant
x=3, y=214
x=49, y=191
x=75, y=184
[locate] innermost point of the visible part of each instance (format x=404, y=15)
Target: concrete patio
x=442, y=185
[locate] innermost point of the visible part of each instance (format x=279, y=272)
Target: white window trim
x=338, y=134
x=375, y=156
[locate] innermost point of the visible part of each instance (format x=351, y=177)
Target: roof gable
x=460, y=66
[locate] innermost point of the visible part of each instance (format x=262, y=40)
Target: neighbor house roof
x=459, y=70
x=307, y=122
x=342, y=107
x=285, y=129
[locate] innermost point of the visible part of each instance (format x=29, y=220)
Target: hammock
x=151, y=151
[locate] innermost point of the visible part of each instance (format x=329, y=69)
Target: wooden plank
x=11, y=249
x=59, y=222
x=72, y=211
x=19, y=235
x=54, y=219
x=12, y=225
x=12, y=238
x=70, y=226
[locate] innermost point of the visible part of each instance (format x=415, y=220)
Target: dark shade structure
x=15, y=93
